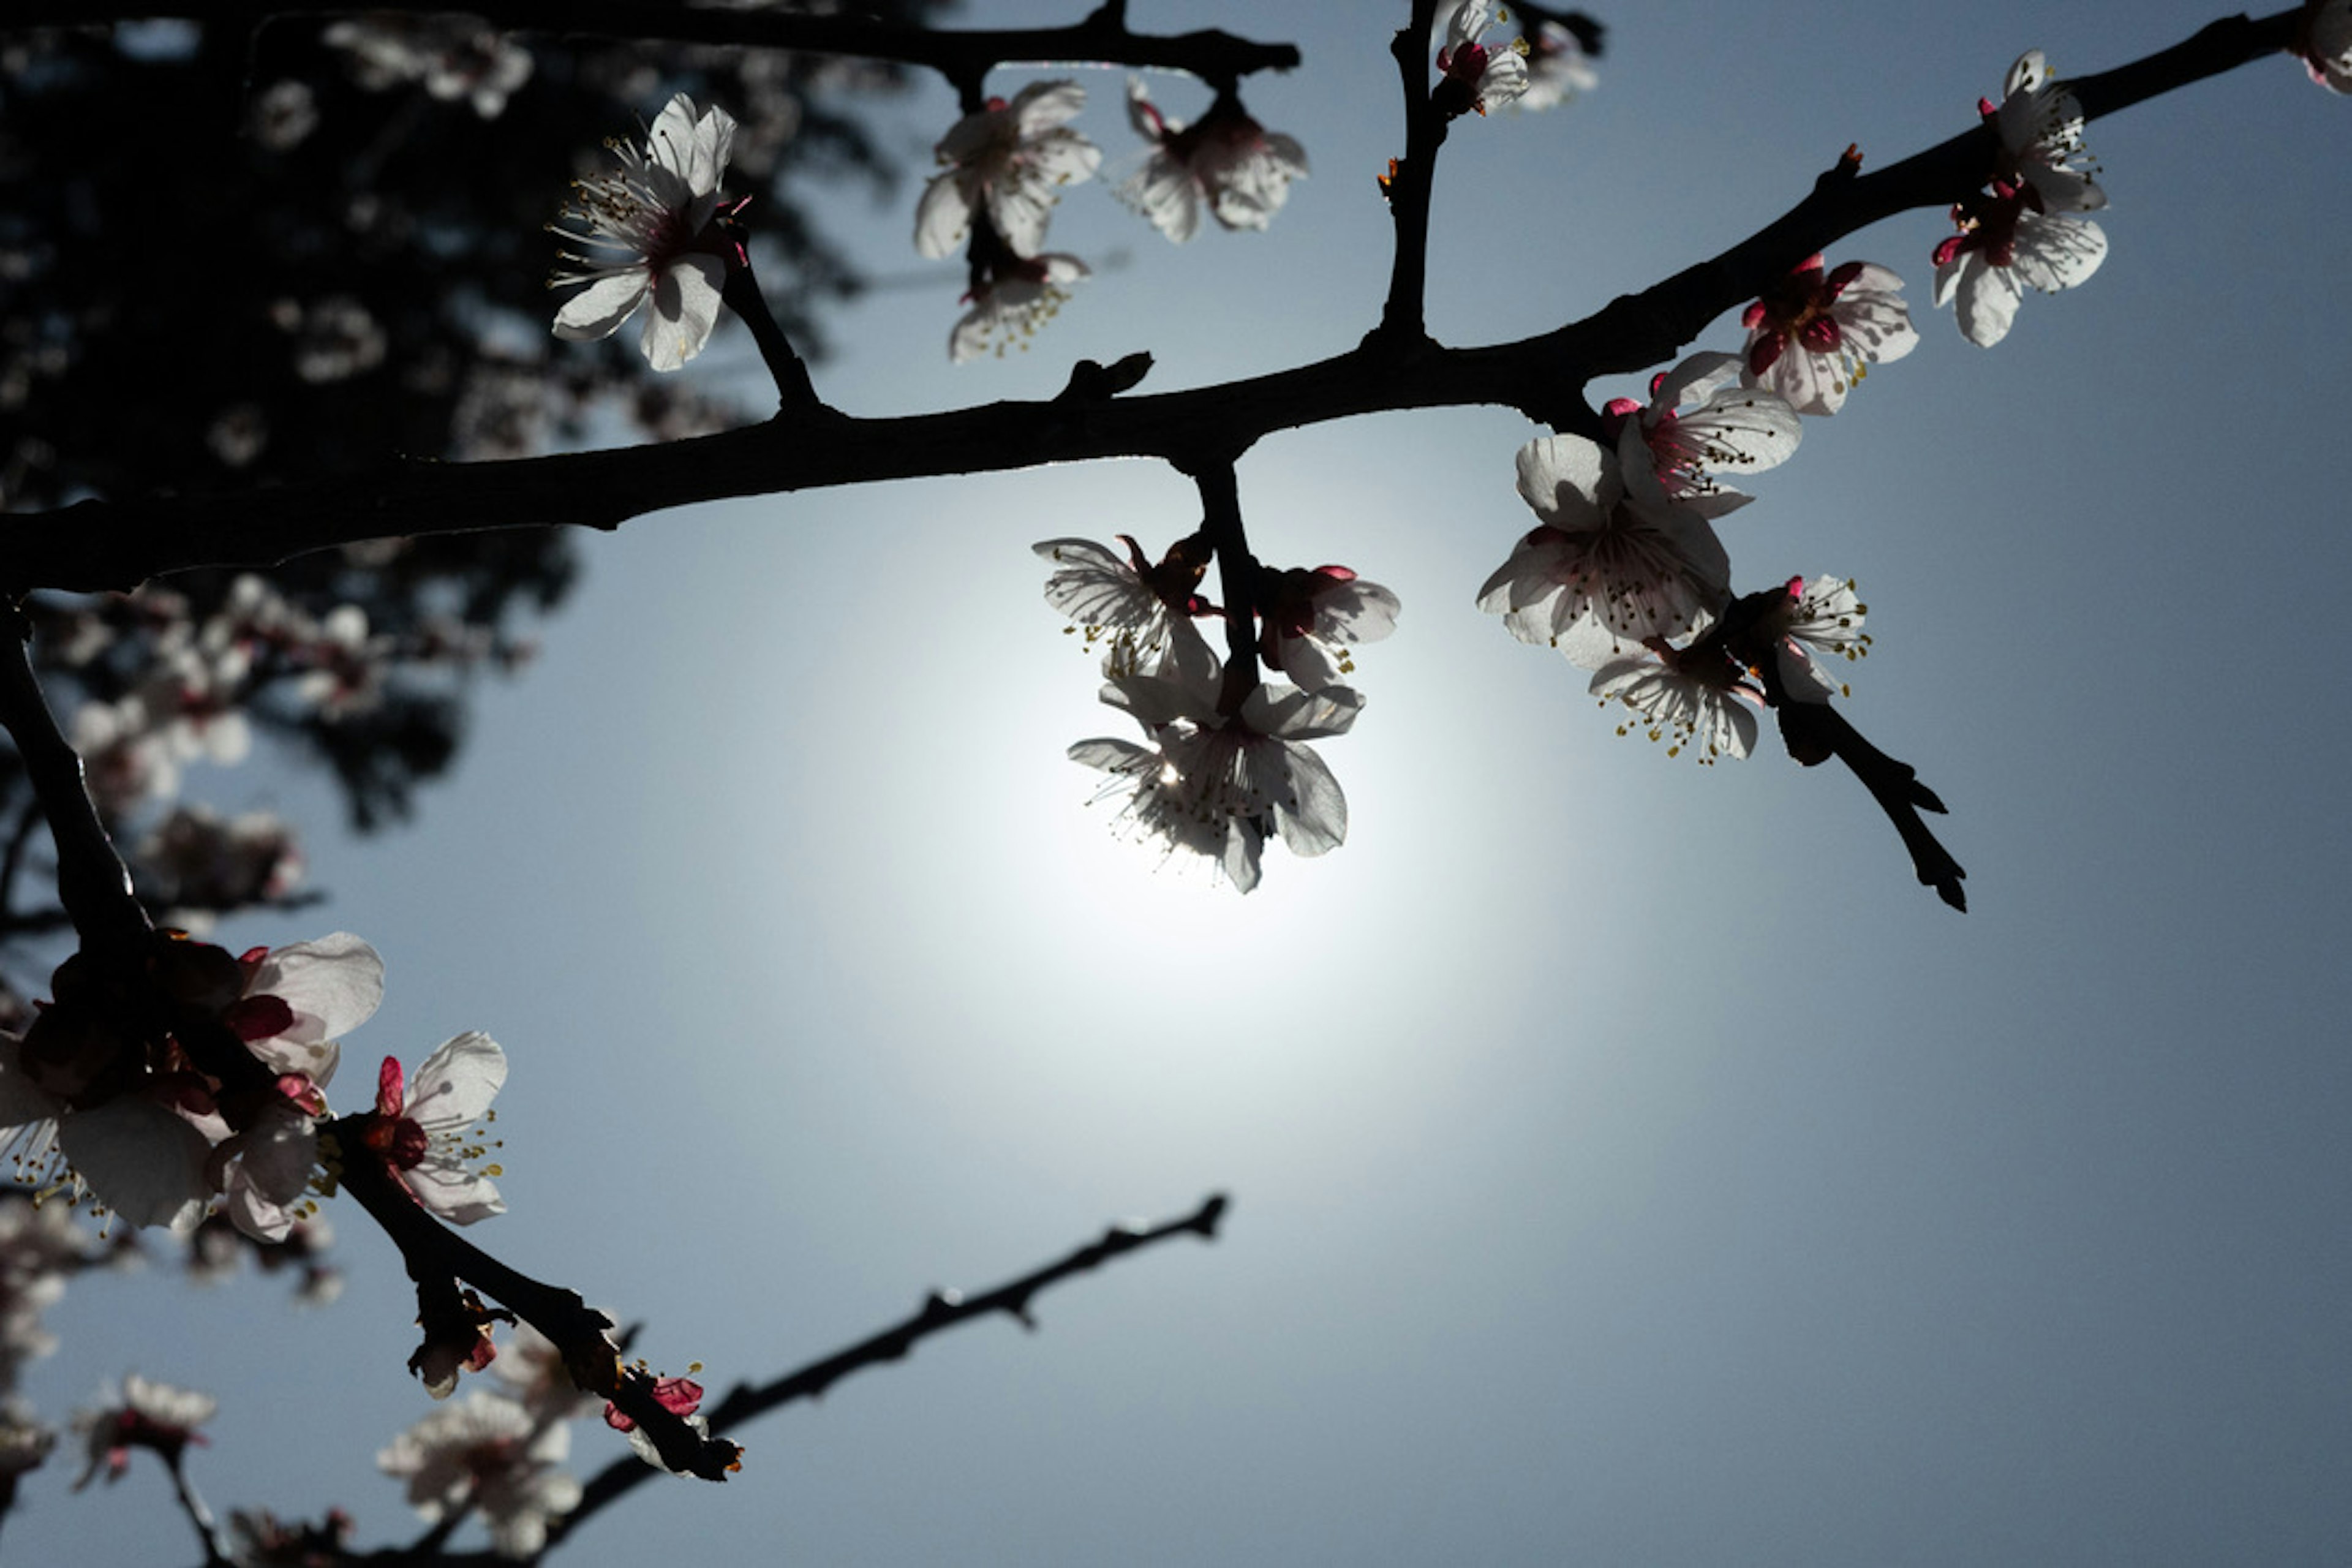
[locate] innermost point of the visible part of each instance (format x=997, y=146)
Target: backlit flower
x=1692, y=697
x=2039, y=124
x=1726, y=427
x=1218, y=786
x=1010, y=160
x=2008, y=242
x=1813, y=622
x=647, y=231
x=1810, y=334
x=1225, y=161
x=432, y=1132
x=1142, y=613
x=1307, y=620
x=1014, y=297
x=1476, y=77
x=1612, y=560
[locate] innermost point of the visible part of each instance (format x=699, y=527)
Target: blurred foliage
x=239, y=257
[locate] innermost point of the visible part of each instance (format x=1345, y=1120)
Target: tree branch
x=1411, y=181
x=1102, y=39
x=99, y=546
x=941, y=1310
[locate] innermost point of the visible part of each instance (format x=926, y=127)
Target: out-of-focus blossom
x=283, y=114
x=1725, y=426
x=1692, y=697
x=335, y=338
x=432, y=1131
x=40, y=1247
x=1013, y=295
x=487, y=1454
x=141, y=1414
x=1225, y=161
x=259, y=1539
x=454, y=57
x=2007, y=242
x=1307, y=620
x=1612, y=560
x=646, y=235
x=202, y=863
x=1142, y=613
x=1218, y=786
x=1559, y=68
x=1477, y=78
x=2323, y=39
x=532, y=1370
x=1810, y=335
x=1012, y=160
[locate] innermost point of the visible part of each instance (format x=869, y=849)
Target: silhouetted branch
x=1215, y=55
x=92, y=882
x=438, y=1258
x=116, y=545
x=941, y=1310
x=1410, y=180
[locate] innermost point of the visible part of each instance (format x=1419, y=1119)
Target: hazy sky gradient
x=1631, y=1162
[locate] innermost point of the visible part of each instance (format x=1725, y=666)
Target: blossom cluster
x=1225, y=762
x=198, y=1081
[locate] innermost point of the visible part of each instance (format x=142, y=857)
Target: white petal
x=942, y=217
x=457, y=1082
x=603, y=305
x=687, y=297
x=141, y=1161
x=2056, y=252
x=334, y=984
x=1564, y=478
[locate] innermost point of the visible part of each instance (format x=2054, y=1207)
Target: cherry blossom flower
x=1726, y=427
x=1308, y=619
x=1692, y=695
x=1807, y=623
x=1225, y=161
x=487, y=1454
x=142, y=1414
x=201, y=864
x=647, y=230
x=1142, y=614
x=2323, y=39
x=431, y=1132
x=1476, y=77
x=1010, y=160
x=2039, y=124
x=1613, y=558
x=1014, y=297
x=1217, y=785
x=1559, y=66
x=2008, y=242
x=1810, y=335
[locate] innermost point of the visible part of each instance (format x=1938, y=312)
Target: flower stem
x=793, y=387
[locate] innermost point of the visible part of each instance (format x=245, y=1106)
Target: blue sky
x=1629, y=1162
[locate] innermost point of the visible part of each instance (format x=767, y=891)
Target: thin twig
x=1410, y=182
x=941, y=1310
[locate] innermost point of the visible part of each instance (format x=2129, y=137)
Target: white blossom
x=1810, y=335
x=1726, y=427
x=1476, y=77
x=2007, y=244
x=1217, y=785
x=1010, y=160
x=1558, y=69
x=1688, y=697
x=1015, y=298
x=2039, y=124
x=488, y=1454
x=1119, y=604
x=432, y=1131
x=1613, y=559
x=1225, y=162
x=141, y=1414
x=644, y=229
